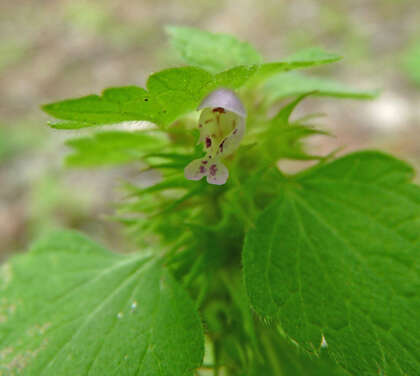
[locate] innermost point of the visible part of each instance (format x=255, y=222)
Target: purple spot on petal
x=208, y=142
x=204, y=162
x=220, y=110
x=221, y=145
x=202, y=169
x=213, y=170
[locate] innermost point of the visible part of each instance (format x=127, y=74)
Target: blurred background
x=52, y=50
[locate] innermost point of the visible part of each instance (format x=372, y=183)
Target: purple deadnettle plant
x=222, y=127
x=274, y=273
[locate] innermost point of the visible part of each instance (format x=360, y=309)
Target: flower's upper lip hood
x=224, y=98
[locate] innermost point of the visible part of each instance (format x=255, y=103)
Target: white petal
x=206, y=124
x=232, y=141
x=195, y=170
x=218, y=173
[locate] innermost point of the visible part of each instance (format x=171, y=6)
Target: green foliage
x=114, y=147
x=411, y=62
x=293, y=361
x=309, y=274
x=289, y=84
x=71, y=307
x=174, y=92
x=213, y=52
x=335, y=256
x=170, y=94
x=306, y=58
x=283, y=138
x=219, y=52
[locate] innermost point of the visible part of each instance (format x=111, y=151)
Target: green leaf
x=292, y=83
x=264, y=349
x=411, y=62
x=284, y=139
x=213, y=52
x=170, y=93
x=336, y=255
x=306, y=58
x=293, y=361
x=70, y=307
x=216, y=52
x=114, y=147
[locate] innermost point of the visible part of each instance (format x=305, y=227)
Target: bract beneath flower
x=222, y=127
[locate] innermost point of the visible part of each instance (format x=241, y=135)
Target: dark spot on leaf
x=146, y=99
x=204, y=162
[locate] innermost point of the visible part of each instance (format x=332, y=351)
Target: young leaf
x=173, y=92
x=113, y=147
x=170, y=93
x=70, y=307
x=289, y=84
x=214, y=52
x=302, y=59
x=335, y=258
x=283, y=138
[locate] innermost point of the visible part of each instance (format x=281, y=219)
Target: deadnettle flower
x=222, y=127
